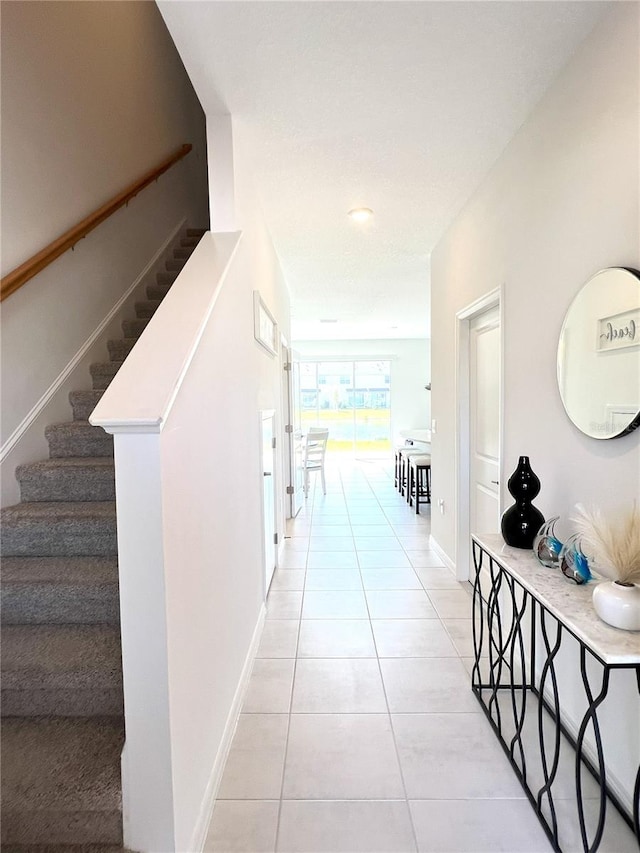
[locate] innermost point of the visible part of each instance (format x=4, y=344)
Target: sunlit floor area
x=359, y=731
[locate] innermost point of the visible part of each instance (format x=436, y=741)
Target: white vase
x=618, y=604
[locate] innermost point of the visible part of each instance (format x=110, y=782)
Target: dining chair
x=314, y=452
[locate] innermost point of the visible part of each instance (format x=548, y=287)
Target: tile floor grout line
x=389, y=717
x=293, y=684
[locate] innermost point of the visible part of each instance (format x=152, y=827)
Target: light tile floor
x=359, y=732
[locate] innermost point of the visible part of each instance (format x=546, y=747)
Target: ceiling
x=402, y=107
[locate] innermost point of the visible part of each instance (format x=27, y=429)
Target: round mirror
x=599, y=355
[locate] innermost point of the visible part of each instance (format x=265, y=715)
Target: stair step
x=78, y=438
x=102, y=373
x=174, y=264
x=83, y=403
x=158, y=291
x=66, y=848
x=147, y=308
x=61, y=670
x=59, y=529
x=196, y=232
x=60, y=590
x=61, y=780
x=119, y=349
x=166, y=277
x=74, y=478
x=182, y=252
x=134, y=328
x=189, y=242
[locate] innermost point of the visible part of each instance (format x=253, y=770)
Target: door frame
x=287, y=439
x=495, y=298
x=268, y=414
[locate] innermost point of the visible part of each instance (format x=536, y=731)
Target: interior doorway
x=479, y=440
x=293, y=437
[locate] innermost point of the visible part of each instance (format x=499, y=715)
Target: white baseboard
x=446, y=559
x=201, y=828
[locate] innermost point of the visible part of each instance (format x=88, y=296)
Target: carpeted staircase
x=62, y=706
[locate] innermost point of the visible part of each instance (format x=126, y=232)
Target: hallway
x=359, y=731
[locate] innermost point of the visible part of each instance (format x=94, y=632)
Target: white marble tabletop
x=569, y=602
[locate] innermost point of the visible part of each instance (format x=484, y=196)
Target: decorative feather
x=613, y=544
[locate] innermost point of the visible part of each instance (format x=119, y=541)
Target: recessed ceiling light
x=361, y=214
x=328, y=321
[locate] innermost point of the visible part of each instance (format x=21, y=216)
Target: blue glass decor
x=520, y=523
x=546, y=546
x=573, y=563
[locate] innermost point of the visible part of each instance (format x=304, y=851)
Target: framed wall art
x=265, y=328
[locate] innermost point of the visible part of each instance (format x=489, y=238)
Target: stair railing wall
x=25, y=272
x=54, y=327
x=183, y=412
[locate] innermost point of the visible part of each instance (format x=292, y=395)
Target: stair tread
x=105, y=366
x=66, y=848
x=60, y=591
x=60, y=764
x=159, y=291
x=69, y=657
x=58, y=510
x=78, y=438
x=119, y=348
x=67, y=479
x=74, y=426
x=134, y=328
x=63, y=570
x=90, y=393
x=66, y=462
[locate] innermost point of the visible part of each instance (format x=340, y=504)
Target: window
x=352, y=399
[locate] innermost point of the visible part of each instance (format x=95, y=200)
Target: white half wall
x=187, y=444
x=410, y=372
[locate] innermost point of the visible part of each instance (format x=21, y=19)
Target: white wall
x=410, y=372
x=212, y=486
x=213, y=489
x=93, y=95
x=561, y=203
x=262, y=273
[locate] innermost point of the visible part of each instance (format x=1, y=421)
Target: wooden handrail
x=17, y=277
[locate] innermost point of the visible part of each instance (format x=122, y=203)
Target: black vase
x=521, y=522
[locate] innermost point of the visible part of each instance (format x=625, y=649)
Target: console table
x=522, y=612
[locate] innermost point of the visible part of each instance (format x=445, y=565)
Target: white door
x=484, y=426
x=295, y=486
x=268, y=497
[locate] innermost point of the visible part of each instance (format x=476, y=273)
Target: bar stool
x=397, y=476
x=419, y=480
x=405, y=454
